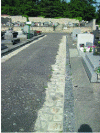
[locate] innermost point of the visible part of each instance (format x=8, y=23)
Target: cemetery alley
x=45, y=88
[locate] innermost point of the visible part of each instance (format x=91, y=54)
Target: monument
x=75, y=34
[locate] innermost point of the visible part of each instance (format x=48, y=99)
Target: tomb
x=8, y=35
x=75, y=34
x=85, y=41
x=3, y=46
x=90, y=62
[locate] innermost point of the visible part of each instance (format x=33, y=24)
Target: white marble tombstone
x=8, y=36
x=75, y=34
x=85, y=39
x=25, y=28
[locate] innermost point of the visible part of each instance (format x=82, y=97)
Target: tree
x=98, y=15
x=83, y=8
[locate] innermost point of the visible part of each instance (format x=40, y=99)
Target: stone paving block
x=46, y=109
x=55, y=126
x=46, y=116
x=57, y=117
x=60, y=103
x=60, y=89
x=57, y=110
x=44, y=125
x=49, y=103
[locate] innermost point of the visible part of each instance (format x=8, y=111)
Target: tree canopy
x=51, y=8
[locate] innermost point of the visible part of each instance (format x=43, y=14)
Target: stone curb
x=7, y=51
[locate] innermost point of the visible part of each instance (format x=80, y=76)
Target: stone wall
x=92, y=24
x=40, y=19
x=50, y=29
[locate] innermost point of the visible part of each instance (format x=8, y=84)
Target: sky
x=96, y=1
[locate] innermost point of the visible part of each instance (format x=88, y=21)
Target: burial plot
x=90, y=61
x=96, y=49
x=8, y=35
x=21, y=36
x=75, y=34
x=85, y=40
x=11, y=38
x=3, y=46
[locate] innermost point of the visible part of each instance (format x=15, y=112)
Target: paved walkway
x=50, y=116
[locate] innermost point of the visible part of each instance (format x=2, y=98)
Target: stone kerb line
x=50, y=116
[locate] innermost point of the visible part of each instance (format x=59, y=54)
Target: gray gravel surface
x=69, y=119
x=23, y=81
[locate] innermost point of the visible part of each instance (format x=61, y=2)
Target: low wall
x=40, y=19
x=50, y=29
x=92, y=24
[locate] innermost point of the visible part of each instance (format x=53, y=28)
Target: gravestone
x=39, y=23
x=22, y=37
x=11, y=38
x=75, y=34
x=96, y=37
x=25, y=28
x=70, y=24
x=46, y=24
x=8, y=35
x=87, y=40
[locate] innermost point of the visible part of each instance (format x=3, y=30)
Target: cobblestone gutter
x=50, y=116
x=69, y=120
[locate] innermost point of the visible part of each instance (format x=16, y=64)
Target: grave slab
x=8, y=36
x=90, y=63
x=22, y=37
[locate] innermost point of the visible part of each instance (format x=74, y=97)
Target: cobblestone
x=50, y=116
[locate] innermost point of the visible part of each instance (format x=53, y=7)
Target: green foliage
x=78, y=18
x=97, y=70
x=27, y=19
x=78, y=9
x=90, y=49
x=84, y=49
